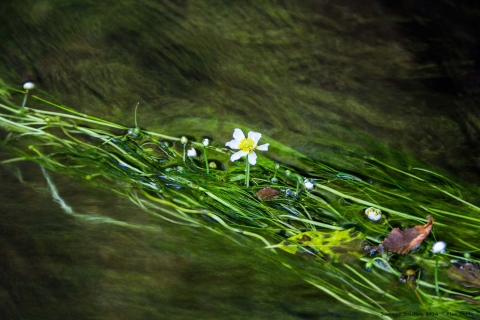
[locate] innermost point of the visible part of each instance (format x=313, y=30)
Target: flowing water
x=335, y=80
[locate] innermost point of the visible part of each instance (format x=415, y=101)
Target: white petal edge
x=238, y=135
x=255, y=136
x=252, y=158
x=238, y=155
x=263, y=147
x=233, y=144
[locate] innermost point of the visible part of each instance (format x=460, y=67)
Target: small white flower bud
x=439, y=247
x=192, y=152
x=373, y=214
x=183, y=140
x=308, y=185
x=28, y=85
x=206, y=142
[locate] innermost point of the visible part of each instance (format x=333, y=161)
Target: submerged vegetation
x=332, y=220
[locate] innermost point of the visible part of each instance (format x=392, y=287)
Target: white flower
x=206, y=142
x=192, y=152
x=373, y=213
x=439, y=247
x=28, y=85
x=308, y=185
x=247, y=146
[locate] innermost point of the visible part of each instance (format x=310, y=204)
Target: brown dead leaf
x=403, y=241
x=267, y=193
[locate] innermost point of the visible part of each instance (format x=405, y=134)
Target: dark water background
x=335, y=80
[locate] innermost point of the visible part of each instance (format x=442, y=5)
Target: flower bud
x=308, y=185
x=439, y=247
x=134, y=132
x=410, y=272
x=373, y=214
x=183, y=140
x=28, y=85
x=206, y=142
x=192, y=152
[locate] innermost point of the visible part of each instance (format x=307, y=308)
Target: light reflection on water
x=56, y=266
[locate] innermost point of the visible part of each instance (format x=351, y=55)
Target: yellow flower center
x=246, y=145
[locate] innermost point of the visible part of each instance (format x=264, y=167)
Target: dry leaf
x=403, y=241
x=267, y=193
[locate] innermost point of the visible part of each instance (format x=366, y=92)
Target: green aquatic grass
x=151, y=170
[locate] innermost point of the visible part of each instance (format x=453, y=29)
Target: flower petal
x=252, y=158
x=238, y=135
x=238, y=155
x=233, y=144
x=255, y=136
x=263, y=147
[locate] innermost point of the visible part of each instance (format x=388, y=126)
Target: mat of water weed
x=317, y=212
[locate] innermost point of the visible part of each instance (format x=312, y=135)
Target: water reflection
x=56, y=266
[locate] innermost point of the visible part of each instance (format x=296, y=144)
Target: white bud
x=206, y=142
x=28, y=85
x=439, y=247
x=308, y=185
x=373, y=214
x=183, y=140
x=192, y=152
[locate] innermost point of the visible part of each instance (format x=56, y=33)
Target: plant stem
x=436, y=276
x=247, y=173
x=206, y=159
x=298, y=185
x=25, y=99
x=184, y=151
